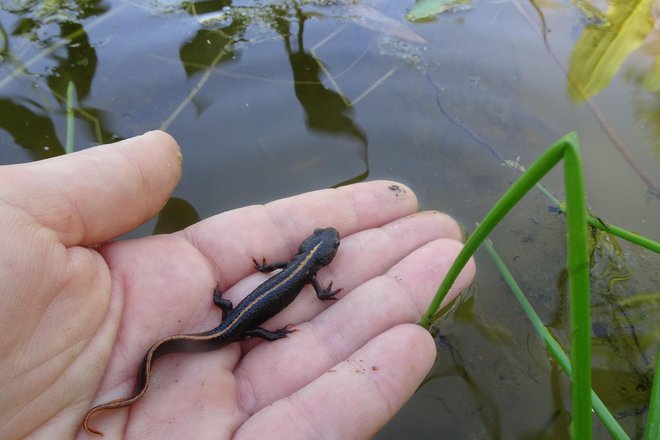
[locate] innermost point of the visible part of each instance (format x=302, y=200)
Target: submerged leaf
x=592, y=15
x=599, y=53
x=651, y=48
x=651, y=300
x=427, y=9
x=371, y=18
x=652, y=78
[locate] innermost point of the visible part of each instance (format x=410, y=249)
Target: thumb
x=96, y=194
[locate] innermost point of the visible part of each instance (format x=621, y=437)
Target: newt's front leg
x=263, y=267
x=324, y=294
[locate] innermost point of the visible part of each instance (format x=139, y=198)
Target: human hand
x=76, y=320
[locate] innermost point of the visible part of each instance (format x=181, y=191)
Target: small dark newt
x=242, y=322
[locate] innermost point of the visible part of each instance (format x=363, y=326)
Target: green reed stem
x=536, y=171
x=598, y=223
x=652, y=431
x=566, y=148
x=623, y=233
x=578, y=282
x=554, y=347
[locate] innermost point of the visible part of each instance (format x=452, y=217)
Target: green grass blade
x=652, y=431
x=626, y=235
x=567, y=148
x=598, y=223
x=554, y=347
x=519, y=188
x=578, y=281
x=69, y=119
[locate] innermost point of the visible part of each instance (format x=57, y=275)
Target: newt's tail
x=165, y=346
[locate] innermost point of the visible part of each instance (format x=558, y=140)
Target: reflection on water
x=272, y=99
x=325, y=109
x=625, y=328
x=58, y=35
x=31, y=127
x=211, y=48
x=175, y=216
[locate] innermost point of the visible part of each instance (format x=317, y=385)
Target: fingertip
x=163, y=140
x=421, y=272
x=158, y=148
x=420, y=343
x=398, y=190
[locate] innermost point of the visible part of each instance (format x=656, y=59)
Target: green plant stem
x=598, y=223
x=516, y=192
x=652, y=431
x=554, y=347
x=578, y=265
x=578, y=282
x=626, y=235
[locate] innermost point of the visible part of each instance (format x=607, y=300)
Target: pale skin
x=77, y=312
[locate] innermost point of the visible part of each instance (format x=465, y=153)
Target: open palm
x=76, y=318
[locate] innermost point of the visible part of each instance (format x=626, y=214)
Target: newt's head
x=323, y=244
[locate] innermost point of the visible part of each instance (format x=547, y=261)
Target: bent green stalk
x=598, y=223
x=652, y=430
x=553, y=346
x=639, y=240
x=578, y=283
x=566, y=148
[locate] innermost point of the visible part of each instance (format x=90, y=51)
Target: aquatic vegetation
x=402, y=51
x=372, y=19
x=578, y=268
x=425, y=10
x=601, y=50
x=591, y=15
x=38, y=13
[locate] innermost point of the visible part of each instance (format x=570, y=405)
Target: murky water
x=273, y=99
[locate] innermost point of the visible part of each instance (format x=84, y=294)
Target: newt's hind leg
x=270, y=335
x=225, y=305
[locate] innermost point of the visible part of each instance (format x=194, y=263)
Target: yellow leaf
x=600, y=51
x=652, y=78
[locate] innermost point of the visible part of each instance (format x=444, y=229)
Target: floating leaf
x=652, y=78
x=599, y=53
x=427, y=9
x=591, y=14
x=371, y=18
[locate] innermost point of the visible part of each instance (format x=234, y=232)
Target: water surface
x=270, y=99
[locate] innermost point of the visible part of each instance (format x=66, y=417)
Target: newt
x=243, y=321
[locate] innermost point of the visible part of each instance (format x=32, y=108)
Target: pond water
x=269, y=99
